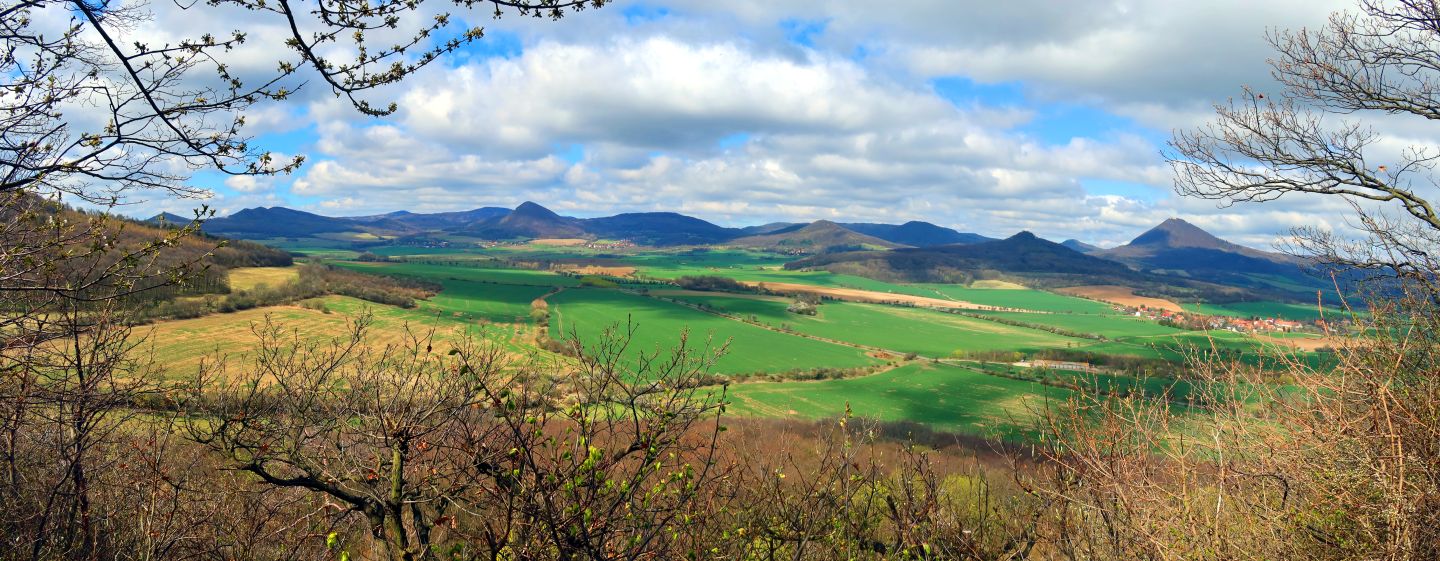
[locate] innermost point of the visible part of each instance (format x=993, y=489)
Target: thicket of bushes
x=711, y=283
x=314, y=280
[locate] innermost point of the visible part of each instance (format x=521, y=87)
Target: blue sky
x=983, y=117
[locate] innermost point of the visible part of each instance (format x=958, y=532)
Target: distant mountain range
x=1175, y=258
x=915, y=233
x=435, y=221
x=1174, y=253
x=1024, y=254
x=1080, y=246
x=531, y=220
x=1179, y=248
x=281, y=222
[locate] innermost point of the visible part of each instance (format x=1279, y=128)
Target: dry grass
x=248, y=278
x=181, y=345
x=1122, y=295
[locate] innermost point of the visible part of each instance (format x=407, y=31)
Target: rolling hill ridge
x=531, y=220
x=1022, y=254
x=1179, y=248
x=1174, y=253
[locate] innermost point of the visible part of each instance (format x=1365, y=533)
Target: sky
x=988, y=117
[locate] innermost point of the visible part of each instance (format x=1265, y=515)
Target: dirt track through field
x=1122, y=295
x=540, y=303
x=873, y=297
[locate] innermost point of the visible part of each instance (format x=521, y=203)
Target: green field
x=1181, y=347
x=945, y=396
x=1025, y=299
x=1100, y=382
x=1110, y=326
x=458, y=252
x=658, y=325
x=1285, y=310
x=928, y=332
x=313, y=247
x=484, y=300
x=737, y=268
x=764, y=338
x=477, y=274
x=671, y=261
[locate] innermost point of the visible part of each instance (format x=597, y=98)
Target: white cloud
x=849, y=129
x=655, y=93
x=829, y=139
x=249, y=183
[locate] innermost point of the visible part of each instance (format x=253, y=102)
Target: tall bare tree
x=1341, y=461
x=436, y=446
x=90, y=114
x=1312, y=139
x=170, y=108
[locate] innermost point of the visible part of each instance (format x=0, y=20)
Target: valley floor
x=928, y=353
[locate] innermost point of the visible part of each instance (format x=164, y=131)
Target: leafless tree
x=1339, y=462
x=89, y=114
x=1311, y=139
x=847, y=493
x=465, y=449
x=167, y=109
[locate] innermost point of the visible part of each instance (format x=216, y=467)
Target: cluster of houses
x=790, y=251
x=1227, y=323
x=1257, y=324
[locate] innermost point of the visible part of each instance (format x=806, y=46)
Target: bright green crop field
x=497, y=303
x=676, y=266
x=489, y=301
x=927, y=332
x=1285, y=310
x=478, y=274
x=1111, y=326
x=1037, y=300
x=658, y=325
x=945, y=396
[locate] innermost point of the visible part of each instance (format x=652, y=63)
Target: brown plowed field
x=1122, y=295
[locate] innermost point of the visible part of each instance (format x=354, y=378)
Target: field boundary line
x=776, y=329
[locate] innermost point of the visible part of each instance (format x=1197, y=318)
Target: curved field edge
x=658, y=326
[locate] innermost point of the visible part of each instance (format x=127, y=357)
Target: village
x=1194, y=320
